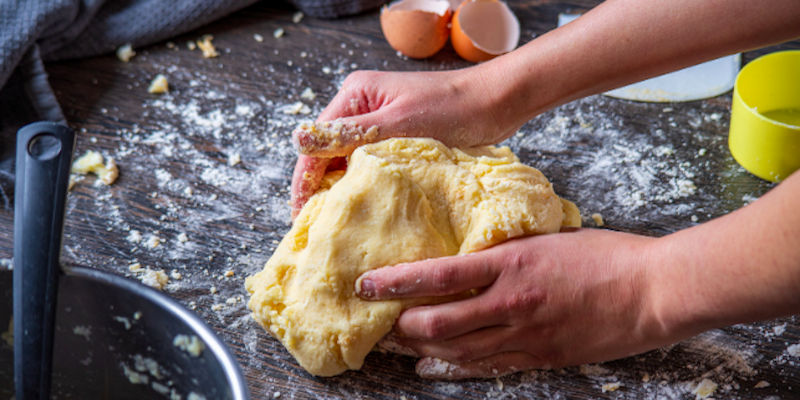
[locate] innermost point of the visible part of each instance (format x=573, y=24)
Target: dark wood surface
x=609, y=156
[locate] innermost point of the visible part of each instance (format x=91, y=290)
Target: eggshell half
x=416, y=28
x=484, y=29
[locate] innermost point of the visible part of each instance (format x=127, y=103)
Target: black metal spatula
x=44, y=157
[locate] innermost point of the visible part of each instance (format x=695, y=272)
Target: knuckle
x=462, y=353
x=434, y=326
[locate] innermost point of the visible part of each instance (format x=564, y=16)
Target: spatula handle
x=44, y=157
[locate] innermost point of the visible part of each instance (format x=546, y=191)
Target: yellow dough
x=401, y=200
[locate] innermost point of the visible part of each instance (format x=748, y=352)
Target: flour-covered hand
x=453, y=107
x=542, y=302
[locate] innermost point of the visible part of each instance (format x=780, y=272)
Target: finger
x=489, y=367
x=308, y=173
x=465, y=348
x=448, y=320
x=335, y=138
x=434, y=277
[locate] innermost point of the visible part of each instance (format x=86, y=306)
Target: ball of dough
x=401, y=200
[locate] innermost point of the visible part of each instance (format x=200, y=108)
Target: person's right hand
x=454, y=107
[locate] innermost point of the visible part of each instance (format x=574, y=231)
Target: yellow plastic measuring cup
x=765, y=117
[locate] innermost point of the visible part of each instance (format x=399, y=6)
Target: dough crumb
x=85, y=331
x=135, y=377
x=153, y=241
x=258, y=38
x=229, y=273
x=794, y=350
x=92, y=162
x=134, y=236
x=124, y=321
x=190, y=45
x=183, y=238
x=158, y=85
x=598, y=220
x=195, y=396
x=135, y=267
x=276, y=395
x=761, y=385
x=155, y=279
x=694, y=218
x=779, y=329
x=308, y=94
x=125, y=52
x=278, y=33
x=704, y=389
x=295, y=108
x=234, y=159
x=610, y=387
x=205, y=45
x=190, y=344
x=176, y=275
x=297, y=17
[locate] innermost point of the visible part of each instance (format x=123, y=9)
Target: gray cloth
x=51, y=30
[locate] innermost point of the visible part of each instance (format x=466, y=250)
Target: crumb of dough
x=794, y=350
x=125, y=52
x=295, y=108
x=174, y=395
x=92, y=162
x=190, y=344
x=190, y=45
x=258, y=38
x=176, y=275
x=229, y=273
x=646, y=378
x=85, y=331
x=297, y=17
x=158, y=85
x=162, y=389
x=170, y=45
x=598, y=219
x=8, y=336
x=155, y=279
x=135, y=377
x=137, y=315
x=308, y=94
x=153, y=241
x=134, y=236
x=610, y=387
x=278, y=33
x=234, y=159
x=217, y=307
x=761, y=385
x=276, y=395
x=204, y=43
x=779, y=329
x=124, y=321
x=694, y=218
x=704, y=389
x=195, y=396
x=183, y=238
x=213, y=290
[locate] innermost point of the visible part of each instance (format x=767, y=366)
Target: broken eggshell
x=484, y=29
x=416, y=28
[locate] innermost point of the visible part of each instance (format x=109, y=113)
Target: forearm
x=742, y=267
x=625, y=41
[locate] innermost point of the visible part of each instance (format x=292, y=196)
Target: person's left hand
x=543, y=302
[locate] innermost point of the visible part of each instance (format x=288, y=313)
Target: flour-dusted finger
x=308, y=173
x=465, y=348
x=448, y=320
x=435, y=277
x=494, y=366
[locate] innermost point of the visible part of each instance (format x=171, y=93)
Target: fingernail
x=365, y=288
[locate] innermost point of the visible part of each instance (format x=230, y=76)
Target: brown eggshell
x=412, y=30
x=484, y=29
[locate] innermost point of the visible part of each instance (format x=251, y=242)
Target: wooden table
x=627, y=161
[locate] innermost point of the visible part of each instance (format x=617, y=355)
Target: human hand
x=453, y=107
x=543, y=302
